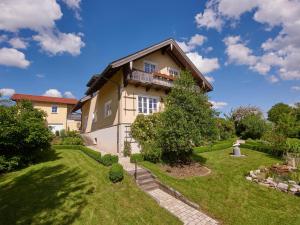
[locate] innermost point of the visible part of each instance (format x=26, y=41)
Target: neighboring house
x=59, y=111
x=135, y=84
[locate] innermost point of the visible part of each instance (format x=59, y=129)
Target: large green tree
x=188, y=120
x=277, y=111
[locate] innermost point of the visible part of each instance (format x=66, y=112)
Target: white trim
x=175, y=70
x=147, y=97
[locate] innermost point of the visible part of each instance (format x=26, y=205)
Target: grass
x=216, y=146
x=72, y=188
x=227, y=196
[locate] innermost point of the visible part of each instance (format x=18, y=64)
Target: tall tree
x=188, y=120
x=277, y=111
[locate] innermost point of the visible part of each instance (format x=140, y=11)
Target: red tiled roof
x=36, y=98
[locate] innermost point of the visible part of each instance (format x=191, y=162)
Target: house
x=135, y=84
x=59, y=111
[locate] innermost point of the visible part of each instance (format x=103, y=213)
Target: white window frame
x=152, y=63
x=107, y=113
x=147, y=104
x=56, y=109
x=174, y=70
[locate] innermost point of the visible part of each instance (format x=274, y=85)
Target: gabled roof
x=173, y=48
x=37, y=98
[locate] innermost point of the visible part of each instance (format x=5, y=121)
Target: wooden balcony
x=155, y=80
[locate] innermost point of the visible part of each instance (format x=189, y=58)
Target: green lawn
x=229, y=197
x=74, y=189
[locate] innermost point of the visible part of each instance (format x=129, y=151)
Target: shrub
x=292, y=145
x=116, y=172
x=9, y=164
x=226, y=128
x=23, y=132
x=108, y=159
x=62, y=133
x=145, y=128
x=136, y=157
x=151, y=152
x=220, y=145
x=127, y=148
x=252, y=126
x=72, y=141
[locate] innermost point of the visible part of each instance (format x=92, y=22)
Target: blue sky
x=250, y=50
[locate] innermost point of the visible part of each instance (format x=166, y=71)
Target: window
x=149, y=67
x=95, y=116
x=107, y=109
x=54, y=109
x=147, y=105
x=173, y=72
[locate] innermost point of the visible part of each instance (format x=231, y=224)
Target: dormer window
x=54, y=109
x=149, y=67
x=173, y=72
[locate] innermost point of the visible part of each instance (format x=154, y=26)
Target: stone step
x=150, y=186
x=144, y=176
x=146, y=181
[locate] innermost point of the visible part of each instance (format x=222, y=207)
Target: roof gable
x=37, y=98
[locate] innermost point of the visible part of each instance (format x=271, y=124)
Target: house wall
x=163, y=61
x=63, y=110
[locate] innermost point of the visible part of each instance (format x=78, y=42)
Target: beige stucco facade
x=110, y=132
x=60, y=118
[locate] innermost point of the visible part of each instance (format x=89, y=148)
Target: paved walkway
x=187, y=214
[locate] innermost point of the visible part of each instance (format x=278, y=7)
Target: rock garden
x=284, y=178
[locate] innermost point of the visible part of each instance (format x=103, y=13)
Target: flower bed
x=281, y=177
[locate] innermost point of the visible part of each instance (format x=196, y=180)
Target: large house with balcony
x=135, y=84
x=58, y=110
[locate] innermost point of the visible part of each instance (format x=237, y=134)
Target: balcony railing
x=155, y=78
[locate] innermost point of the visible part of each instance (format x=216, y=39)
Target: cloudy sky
x=250, y=51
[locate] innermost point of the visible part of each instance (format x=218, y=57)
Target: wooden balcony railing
x=151, y=78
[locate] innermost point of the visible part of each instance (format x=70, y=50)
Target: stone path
x=187, y=214
x=184, y=212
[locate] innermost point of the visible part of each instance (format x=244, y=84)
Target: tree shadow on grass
x=48, y=195
x=198, y=158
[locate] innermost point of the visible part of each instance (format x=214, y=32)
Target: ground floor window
x=147, y=105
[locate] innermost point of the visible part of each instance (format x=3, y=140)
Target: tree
x=252, y=126
x=277, y=111
x=23, y=132
x=188, y=120
x=226, y=128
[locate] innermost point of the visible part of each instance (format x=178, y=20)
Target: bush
x=9, y=164
x=116, y=172
x=127, y=149
x=226, y=128
x=108, y=159
x=72, y=141
x=136, y=157
x=145, y=128
x=252, y=126
x=292, y=145
x=151, y=152
x=23, y=133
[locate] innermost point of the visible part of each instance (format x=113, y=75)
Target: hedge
x=220, y=145
x=263, y=148
x=108, y=159
x=89, y=152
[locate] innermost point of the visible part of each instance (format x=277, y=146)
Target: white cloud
x=13, y=57
x=281, y=53
x=18, y=43
x=32, y=14
x=39, y=75
x=205, y=65
x=209, y=19
x=69, y=94
x=53, y=93
x=210, y=79
x=194, y=42
x=74, y=5
x=218, y=105
x=295, y=88
x=7, y=92
x=273, y=79
x=58, y=43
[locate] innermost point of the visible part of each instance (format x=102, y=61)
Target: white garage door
x=56, y=127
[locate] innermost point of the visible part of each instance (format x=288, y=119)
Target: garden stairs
x=168, y=198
